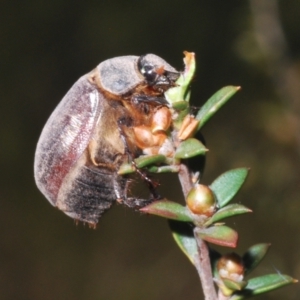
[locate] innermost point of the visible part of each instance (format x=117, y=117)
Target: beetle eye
x=155, y=76
x=147, y=70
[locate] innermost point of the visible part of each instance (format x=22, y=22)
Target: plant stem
x=185, y=179
x=202, y=261
x=203, y=267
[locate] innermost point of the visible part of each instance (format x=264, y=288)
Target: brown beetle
x=101, y=122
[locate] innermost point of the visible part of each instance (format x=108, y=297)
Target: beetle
x=94, y=129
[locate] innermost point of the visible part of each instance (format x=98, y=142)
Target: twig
x=203, y=267
x=185, y=179
x=202, y=262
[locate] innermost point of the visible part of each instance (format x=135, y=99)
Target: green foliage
x=263, y=284
x=168, y=209
x=227, y=212
x=183, y=235
x=214, y=103
x=190, y=148
x=254, y=256
x=189, y=225
x=228, y=184
x=219, y=235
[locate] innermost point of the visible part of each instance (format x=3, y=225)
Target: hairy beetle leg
x=152, y=185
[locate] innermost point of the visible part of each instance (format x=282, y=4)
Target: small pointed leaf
x=227, y=212
x=215, y=102
x=263, y=284
x=234, y=285
x=180, y=105
x=254, y=256
x=141, y=162
x=190, y=148
x=181, y=91
x=164, y=169
x=147, y=160
x=228, y=184
x=219, y=235
x=169, y=210
x=184, y=237
x=126, y=168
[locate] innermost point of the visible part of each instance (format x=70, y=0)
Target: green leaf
x=234, y=285
x=141, y=162
x=146, y=160
x=219, y=235
x=169, y=210
x=228, y=184
x=181, y=91
x=190, y=148
x=227, y=212
x=254, y=256
x=180, y=105
x=164, y=169
x=126, y=168
x=183, y=235
x=215, y=102
x=263, y=284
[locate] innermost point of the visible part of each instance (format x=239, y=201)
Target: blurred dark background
x=47, y=45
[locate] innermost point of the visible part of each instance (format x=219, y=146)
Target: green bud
x=201, y=200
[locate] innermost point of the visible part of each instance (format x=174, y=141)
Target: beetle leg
x=92, y=146
x=138, y=203
x=151, y=184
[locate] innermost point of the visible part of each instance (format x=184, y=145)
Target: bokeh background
x=47, y=45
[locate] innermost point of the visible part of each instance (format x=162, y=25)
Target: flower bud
x=230, y=266
x=161, y=120
x=144, y=138
x=188, y=127
x=201, y=200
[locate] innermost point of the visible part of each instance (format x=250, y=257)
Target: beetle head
x=156, y=76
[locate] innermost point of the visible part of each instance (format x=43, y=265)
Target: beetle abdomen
x=86, y=195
